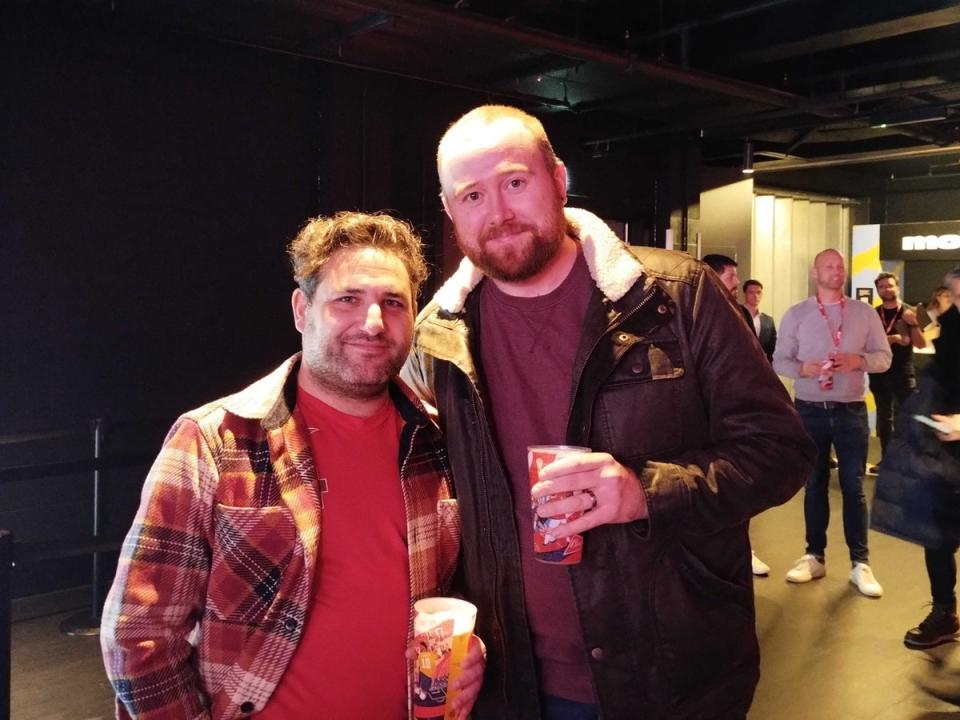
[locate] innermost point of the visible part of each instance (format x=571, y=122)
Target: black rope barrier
x=6, y=563
x=67, y=467
x=92, y=545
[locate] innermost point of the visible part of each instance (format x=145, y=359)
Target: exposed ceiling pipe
x=822, y=42
x=754, y=124
x=714, y=19
x=517, y=97
x=443, y=16
x=855, y=158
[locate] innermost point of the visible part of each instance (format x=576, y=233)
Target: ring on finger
x=593, y=500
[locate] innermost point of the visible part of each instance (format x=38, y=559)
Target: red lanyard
x=896, y=316
x=835, y=336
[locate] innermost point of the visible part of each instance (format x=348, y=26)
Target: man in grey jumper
x=827, y=344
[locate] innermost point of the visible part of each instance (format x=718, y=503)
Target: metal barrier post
x=6, y=565
x=89, y=623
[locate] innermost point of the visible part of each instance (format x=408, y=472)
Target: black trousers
x=942, y=570
x=889, y=394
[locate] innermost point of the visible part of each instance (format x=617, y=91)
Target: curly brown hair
x=322, y=236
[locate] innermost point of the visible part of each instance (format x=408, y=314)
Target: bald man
x=828, y=343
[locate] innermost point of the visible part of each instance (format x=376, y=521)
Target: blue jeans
x=555, y=708
x=843, y=425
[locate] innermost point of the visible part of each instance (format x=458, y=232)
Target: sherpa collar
x=612, y=266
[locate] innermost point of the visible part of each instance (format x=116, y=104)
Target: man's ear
x=560, y=179
x=300, y=304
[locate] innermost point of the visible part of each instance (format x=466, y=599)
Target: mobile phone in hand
x=938, y=426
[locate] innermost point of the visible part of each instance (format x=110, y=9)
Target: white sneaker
x=862, y=577
x=759, y=566
x=807, y=568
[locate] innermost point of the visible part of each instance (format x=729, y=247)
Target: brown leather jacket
x=672, y=383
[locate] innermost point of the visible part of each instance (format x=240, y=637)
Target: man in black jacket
x=553, y=331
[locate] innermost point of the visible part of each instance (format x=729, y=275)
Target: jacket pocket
x=704, y=634
x=636, y=407
x=251, y=548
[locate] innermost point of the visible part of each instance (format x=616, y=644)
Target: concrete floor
x=828, y=653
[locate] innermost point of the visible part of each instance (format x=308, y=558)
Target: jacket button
x=636, y=369
x=622, y=337
x=662, y=309
x=290, y=624
x=597, y=653
x=246, y=708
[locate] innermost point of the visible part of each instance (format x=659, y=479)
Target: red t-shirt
x=350, y=660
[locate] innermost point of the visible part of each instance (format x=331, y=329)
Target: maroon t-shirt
x=528, y=349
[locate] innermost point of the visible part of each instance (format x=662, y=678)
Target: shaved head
x=828, y=271
x=483, y=128
x=823, y=255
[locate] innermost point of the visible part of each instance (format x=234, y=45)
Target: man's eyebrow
x=507, y=169
x=362, y=291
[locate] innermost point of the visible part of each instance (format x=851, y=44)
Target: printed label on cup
x=442, y=628
x=546, y=548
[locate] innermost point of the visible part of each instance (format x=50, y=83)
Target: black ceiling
x=870, y=85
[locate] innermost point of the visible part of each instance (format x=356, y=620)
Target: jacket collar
x=271, y=399
x=612, y=266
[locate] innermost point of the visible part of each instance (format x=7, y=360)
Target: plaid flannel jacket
x=214, y=578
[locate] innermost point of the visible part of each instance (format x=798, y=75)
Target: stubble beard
x=334, y=370
x=518, y=261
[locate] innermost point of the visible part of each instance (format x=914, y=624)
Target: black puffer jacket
x=917, y=497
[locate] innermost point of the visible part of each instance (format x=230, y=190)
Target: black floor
x=828, y=652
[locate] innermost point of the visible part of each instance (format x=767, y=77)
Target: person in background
x=891, y=387
x=761, y=323
x=826, y=344
x=553, y=330
x=941, y=624
x=285, y=531
x=726, y=269
x=927, y=319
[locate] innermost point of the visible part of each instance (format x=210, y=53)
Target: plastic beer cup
x=546, y=548
x=443, y=627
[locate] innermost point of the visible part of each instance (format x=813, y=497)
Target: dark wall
x=922, y=277
x=150, y=183
x=921, y=205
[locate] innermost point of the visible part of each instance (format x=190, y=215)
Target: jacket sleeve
x=756, y=453
x=158, y=593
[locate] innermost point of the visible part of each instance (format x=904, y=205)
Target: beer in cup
x=546, y=548
x=442, y=628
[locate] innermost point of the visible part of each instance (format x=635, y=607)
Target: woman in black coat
x=942, y=624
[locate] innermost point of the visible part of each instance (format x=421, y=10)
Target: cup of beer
x=546, y=548
x=442, y=628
